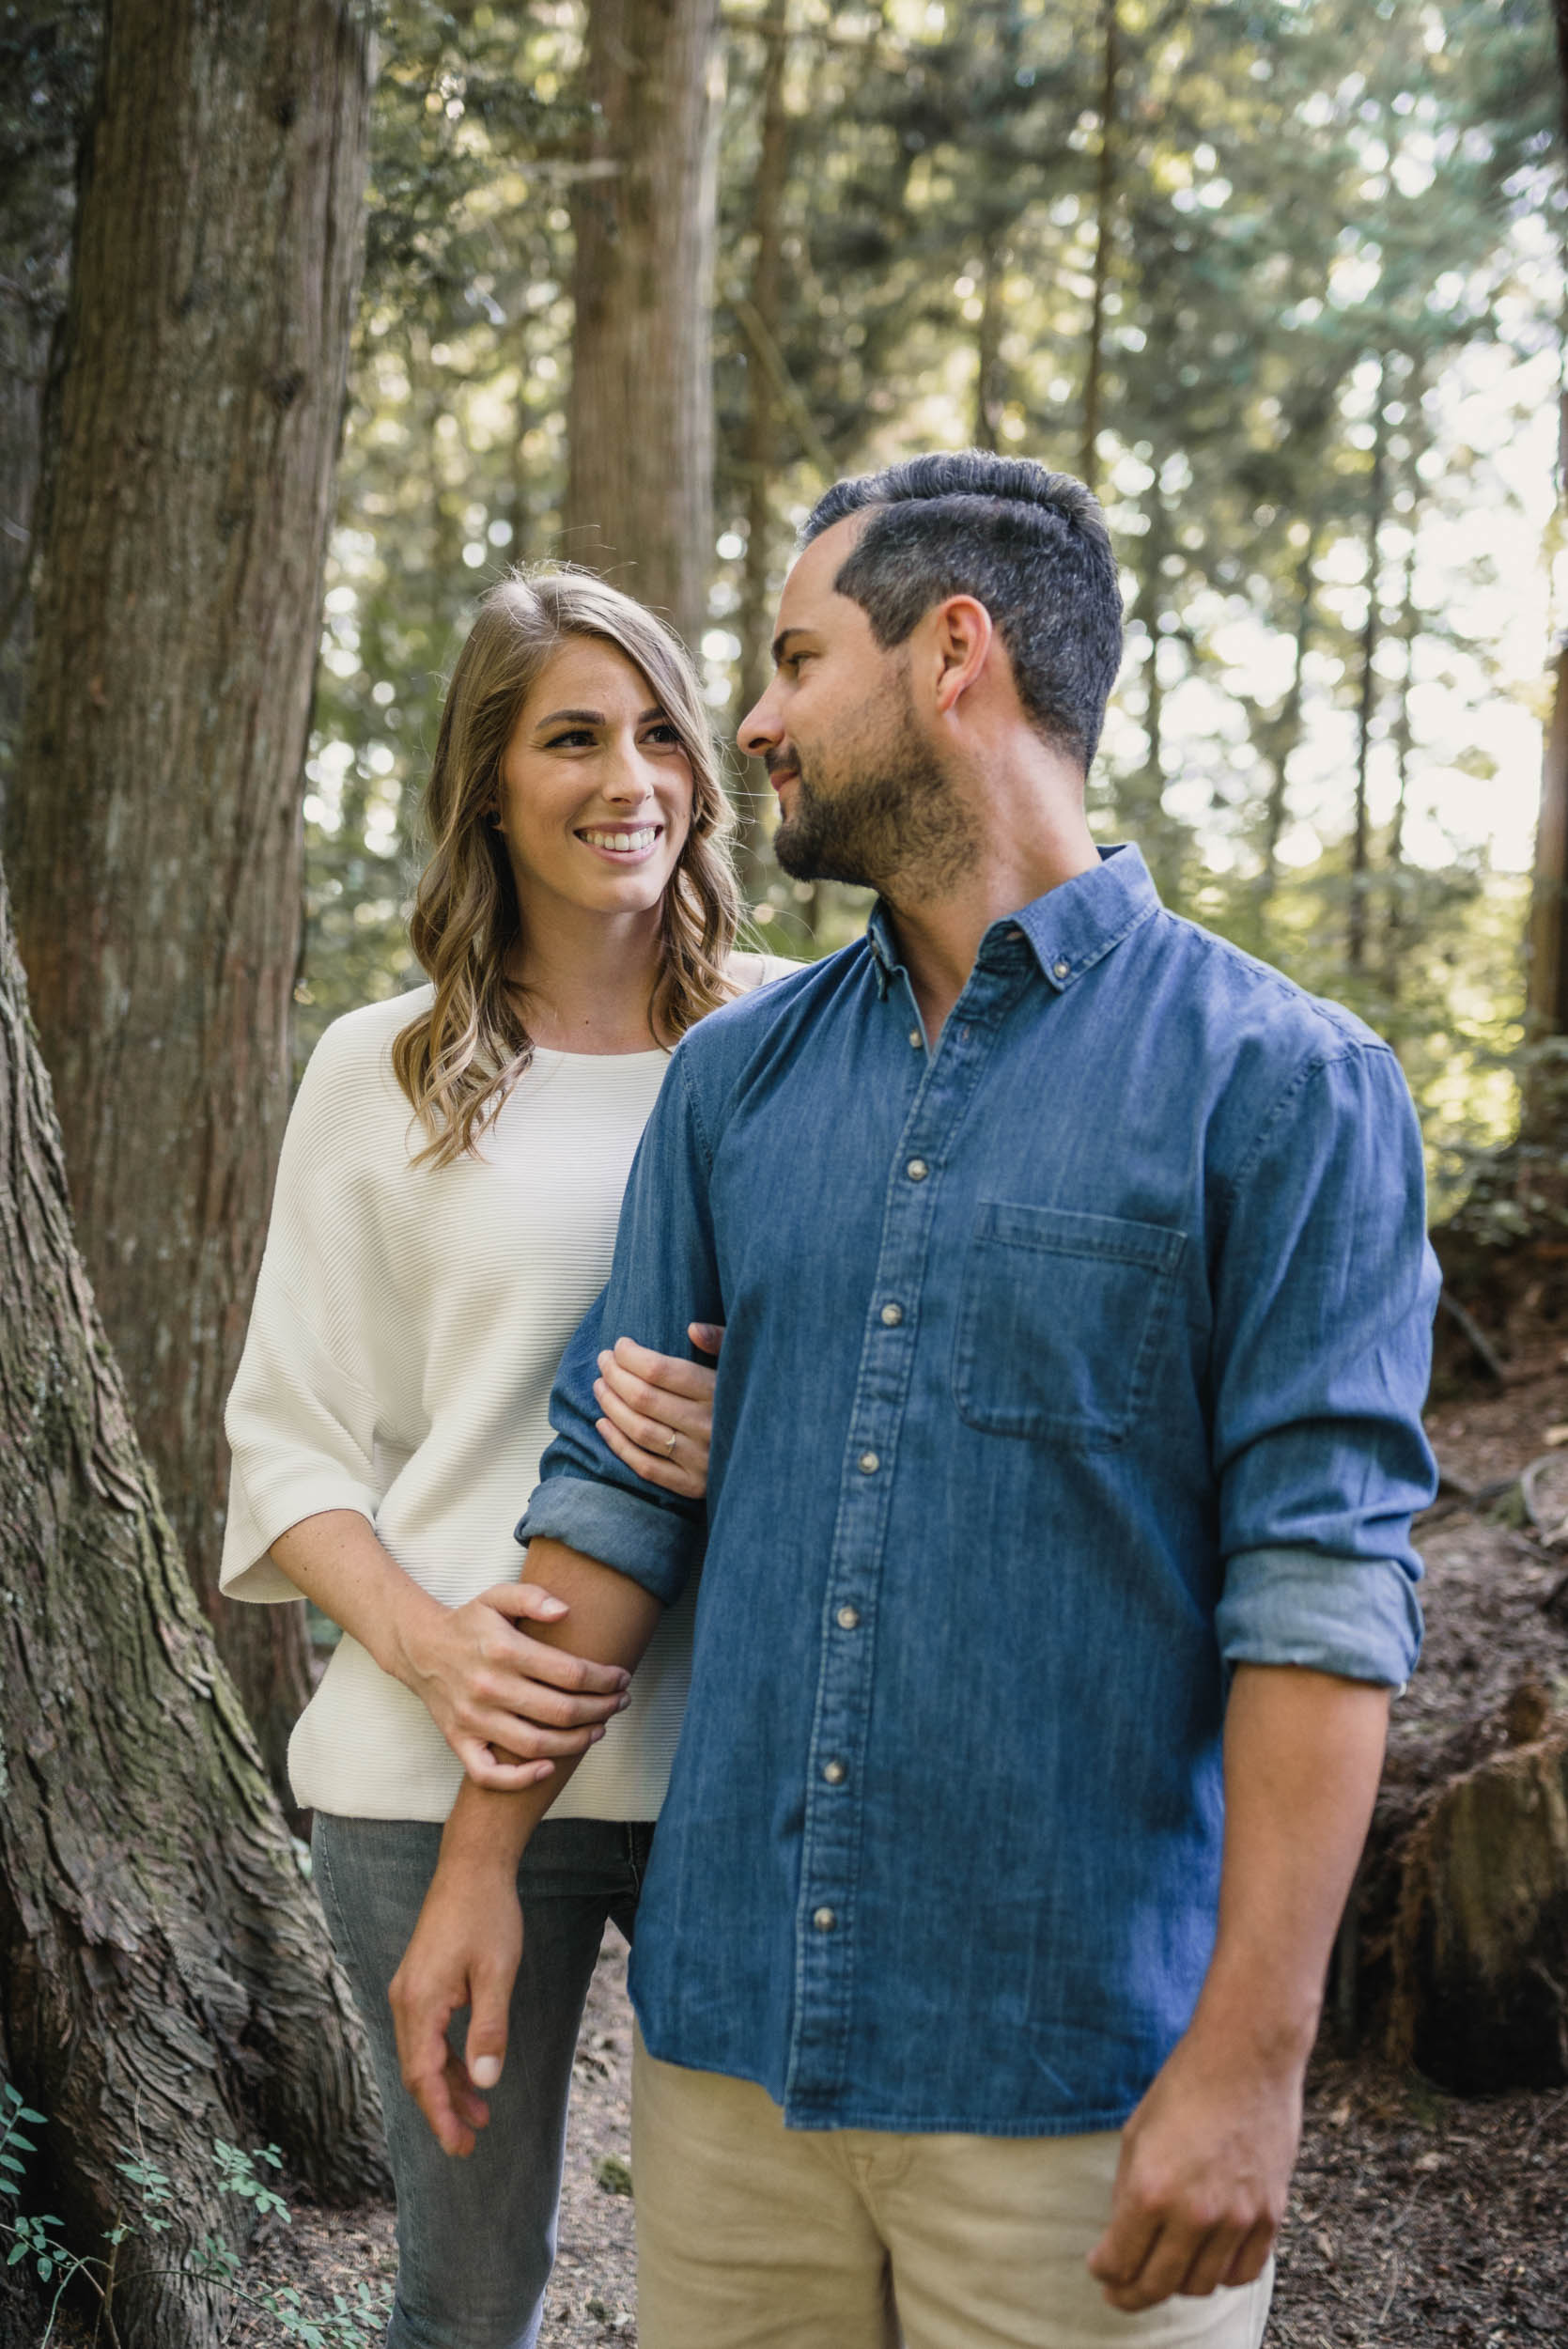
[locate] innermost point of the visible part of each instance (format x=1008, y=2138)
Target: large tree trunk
x=166, y=1976
x=153, y=828
x=638, y=499
x=48, y=53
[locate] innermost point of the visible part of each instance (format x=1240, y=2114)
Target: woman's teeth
x=634, y=841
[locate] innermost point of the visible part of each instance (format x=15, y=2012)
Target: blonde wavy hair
x=458, y=1061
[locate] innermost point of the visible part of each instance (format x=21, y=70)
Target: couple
x=1055, y=1560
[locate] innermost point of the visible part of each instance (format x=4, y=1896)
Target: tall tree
x=153, y=823
x=48, y=49
x=165, y=1978
x=640, y=413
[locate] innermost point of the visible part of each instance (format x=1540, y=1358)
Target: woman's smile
x=622, y=844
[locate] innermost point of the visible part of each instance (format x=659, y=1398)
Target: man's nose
x=759, y=730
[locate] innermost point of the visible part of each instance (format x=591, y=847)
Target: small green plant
x=357, y=2322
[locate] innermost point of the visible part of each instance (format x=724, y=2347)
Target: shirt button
x=869, y=1463
x=916, y=1038
x=893, y=1315
x=824, y=1920
x=833, y=1773
x=1059, y=969
x=917, y=1170
x=848, y=1619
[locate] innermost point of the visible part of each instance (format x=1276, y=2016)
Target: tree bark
x=153, y=830
x=639, y=501
x=166, y=1976
x=48, y=51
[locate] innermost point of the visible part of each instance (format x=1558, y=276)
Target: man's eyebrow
x=781, y=639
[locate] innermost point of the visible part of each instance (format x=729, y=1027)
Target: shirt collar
x=1069, y=929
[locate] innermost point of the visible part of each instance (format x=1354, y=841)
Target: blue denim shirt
x=1068, y=1365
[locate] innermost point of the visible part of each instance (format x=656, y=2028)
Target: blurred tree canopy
x=1256, y=266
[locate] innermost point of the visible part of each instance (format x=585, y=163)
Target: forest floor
x=1416, y=2217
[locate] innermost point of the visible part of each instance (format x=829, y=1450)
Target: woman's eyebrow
x=588, y=718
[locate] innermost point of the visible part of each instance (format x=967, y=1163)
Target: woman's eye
x=666, y=734
x=573, y=734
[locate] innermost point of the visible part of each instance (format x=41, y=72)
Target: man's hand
x=465, y=1952
x=1205, y=2164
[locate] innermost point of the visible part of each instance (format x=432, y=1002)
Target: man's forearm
x=612, y=1620
x=1206, y=2159
x=1303, y=1755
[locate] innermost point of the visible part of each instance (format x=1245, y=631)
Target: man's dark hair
x=1030, y=545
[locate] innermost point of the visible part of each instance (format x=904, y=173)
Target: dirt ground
x=1417, y=2218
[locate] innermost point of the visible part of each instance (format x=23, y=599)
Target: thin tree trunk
x=1285, y=732
x=1547, y=947
x=1105, y=199
x=166, y=1978
x=1396, y=924
x=1360, y=838
x=638, y=499
x=761, y=445
x=153, y=830
x=989, y=389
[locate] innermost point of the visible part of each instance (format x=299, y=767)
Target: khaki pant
x=753, y=2237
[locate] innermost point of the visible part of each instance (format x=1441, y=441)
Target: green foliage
x=1310, y=218
x=355, y=2323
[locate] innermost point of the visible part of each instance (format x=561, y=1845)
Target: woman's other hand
x=486, y=1684
x=659, y=1410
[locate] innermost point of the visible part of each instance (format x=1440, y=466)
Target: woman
x=445, y=1213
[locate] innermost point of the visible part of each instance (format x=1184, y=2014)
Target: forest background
x=313, y=316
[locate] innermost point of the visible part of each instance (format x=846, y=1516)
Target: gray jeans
x=476, y=2238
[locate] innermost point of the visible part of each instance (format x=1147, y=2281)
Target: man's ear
x=964, y=634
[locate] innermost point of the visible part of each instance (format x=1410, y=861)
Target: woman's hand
x=486, y=1684
x=659, y=1410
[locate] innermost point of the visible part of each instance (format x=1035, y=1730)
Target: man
x=1058, y=1567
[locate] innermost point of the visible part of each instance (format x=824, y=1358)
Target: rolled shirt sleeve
x=665, y=1274
x=1324, y=1300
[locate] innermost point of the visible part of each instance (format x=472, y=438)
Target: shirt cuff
x=1357, y=1617
x=650, y=1544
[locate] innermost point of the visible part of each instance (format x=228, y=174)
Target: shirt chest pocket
x=1060, y=1321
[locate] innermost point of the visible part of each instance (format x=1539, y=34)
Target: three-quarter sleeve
x=302, y=1418
x=665, y=1274
x=1324, y=1298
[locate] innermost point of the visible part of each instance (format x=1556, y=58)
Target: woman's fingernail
x=485, y=2071
x=551, y=1605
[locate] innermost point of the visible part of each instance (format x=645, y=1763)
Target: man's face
x=861, y=793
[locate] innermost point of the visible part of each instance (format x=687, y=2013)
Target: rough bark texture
x=640, y=416
x=153, y=830
x=1480, y=1988
x=48, y=51
x=167, y=1979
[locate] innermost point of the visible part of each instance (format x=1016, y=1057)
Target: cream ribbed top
x=407, y=1326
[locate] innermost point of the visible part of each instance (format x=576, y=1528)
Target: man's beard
x=887, y=809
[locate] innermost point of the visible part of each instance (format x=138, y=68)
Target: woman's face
x=596, y=787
